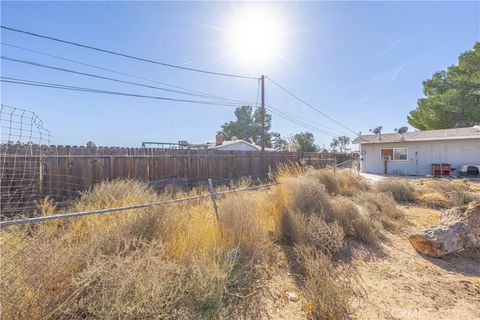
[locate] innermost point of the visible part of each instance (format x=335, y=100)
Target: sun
x=256, y=37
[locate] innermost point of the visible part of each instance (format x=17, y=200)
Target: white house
x=415, y=153
x=232, y=145
x=236, y=145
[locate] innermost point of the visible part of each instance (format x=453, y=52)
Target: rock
x=459, y=228
x=292, y=296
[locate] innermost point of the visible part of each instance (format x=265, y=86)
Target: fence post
x=213, y=196
x=112, y=166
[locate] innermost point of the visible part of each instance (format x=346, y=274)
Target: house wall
x=421, y=155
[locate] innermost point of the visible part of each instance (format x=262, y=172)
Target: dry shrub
x=54, y=251
x=355, y=221
x=287, y=171
x=329, y=299
x=403, y=191
x=342, y=182
x=307, y=196
x=331, y=181
x=243, y=225
x=315, y=232
x=447, y=193
x=381, y=207
x=191, y=229
x=312, y=217
x=115, y=193
x=306, y=215
x=147, y=284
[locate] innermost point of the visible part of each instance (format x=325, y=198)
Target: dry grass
x=424, y=217
x=342, y=182
x=401, y=190
x=447, y=193
x=329, y=299
x=381, y=208
x=147, y=284
x=168, y=262
x=357, y=222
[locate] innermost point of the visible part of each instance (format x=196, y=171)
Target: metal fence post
x=213, y=196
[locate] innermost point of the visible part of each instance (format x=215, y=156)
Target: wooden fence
x=62, y=171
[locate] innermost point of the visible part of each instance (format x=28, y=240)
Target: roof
x=428, y=135
x=231, y=142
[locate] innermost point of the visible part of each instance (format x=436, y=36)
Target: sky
x=360, y=63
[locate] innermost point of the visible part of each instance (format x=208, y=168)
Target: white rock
x=292, y=296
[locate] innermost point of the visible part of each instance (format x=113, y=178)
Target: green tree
x=91, y=144
x=452, y=96
x=303, y=142
x=278, y=143
x=340, y=144
x=247, y=126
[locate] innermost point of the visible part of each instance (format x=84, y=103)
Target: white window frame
x=393, y=154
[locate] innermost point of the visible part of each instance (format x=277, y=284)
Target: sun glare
x=255, y=37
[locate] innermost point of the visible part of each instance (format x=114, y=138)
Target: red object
x=219, y=139
x=441, y=169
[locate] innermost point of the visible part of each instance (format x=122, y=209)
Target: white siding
x=240, y=146
x=421, y=155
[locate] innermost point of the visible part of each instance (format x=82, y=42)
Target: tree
x=303, y=142
x=278, y=143
x=91, y=144
x=247, y=126
x=340, y=144
x=452, y=97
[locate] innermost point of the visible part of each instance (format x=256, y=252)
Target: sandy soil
x=395, y=281
x=403, y=284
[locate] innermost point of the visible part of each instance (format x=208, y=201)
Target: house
x=232, y=145
x=420, y=152
x=236, y=145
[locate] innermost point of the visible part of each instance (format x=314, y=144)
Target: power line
x=111, y=70
x=298, y=122
x=127, y=55
x=310, y=123
x=92, y=90
x=108, y=78
x=293, y=118
x=310, y=106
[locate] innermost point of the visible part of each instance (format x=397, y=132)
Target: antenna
x=402, y=130
x=377, y=130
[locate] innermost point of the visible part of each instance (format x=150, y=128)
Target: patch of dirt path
x=400, y=283
x=271, y=299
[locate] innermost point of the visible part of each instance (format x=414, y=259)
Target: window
x=387, y=154
x=398, y=154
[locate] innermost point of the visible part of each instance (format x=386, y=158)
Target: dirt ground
x=403, y=284
x=395, y=282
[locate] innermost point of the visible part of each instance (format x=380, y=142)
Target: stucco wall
x=421, y=155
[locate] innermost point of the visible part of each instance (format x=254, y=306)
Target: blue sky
x=362, y=63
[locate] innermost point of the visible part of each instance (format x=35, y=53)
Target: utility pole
x=262, y=94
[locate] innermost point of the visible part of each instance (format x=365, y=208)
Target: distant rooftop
x=428, y=135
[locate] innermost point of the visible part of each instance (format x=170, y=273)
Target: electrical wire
x=92, y=90
x=108, y=78
x=309, y=122
x=292, y=118
x=300, y=123
x=126, y=55
x=310, y=106
x=111, y=70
